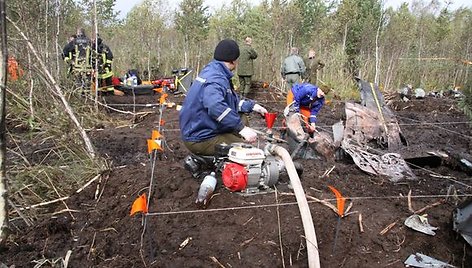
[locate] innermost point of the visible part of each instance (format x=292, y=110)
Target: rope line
x=445, y=129
x=295, y=203
x=400, y=124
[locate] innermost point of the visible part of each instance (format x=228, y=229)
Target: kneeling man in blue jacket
x=211, y=111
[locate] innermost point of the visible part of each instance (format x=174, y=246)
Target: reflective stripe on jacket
x=305, y=95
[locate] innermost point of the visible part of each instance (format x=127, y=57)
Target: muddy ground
x=252, y=231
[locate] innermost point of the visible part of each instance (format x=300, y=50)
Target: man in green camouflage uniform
x=246, y=66
x=313, y=64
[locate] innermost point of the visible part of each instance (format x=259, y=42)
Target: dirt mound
x=251, y=231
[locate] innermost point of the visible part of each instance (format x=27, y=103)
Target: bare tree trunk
x=377, y=57
x=159, y=53
x=345, y=37
x=3, y=86
x=186, y=46
x=93, y=54
x=46, y=43
x=58, y=23
x=57, y=90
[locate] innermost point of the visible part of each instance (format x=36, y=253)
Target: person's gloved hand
x=258, y=108
x=312, y=127
x=287, y=110
x=248, y=134
x=320, y=93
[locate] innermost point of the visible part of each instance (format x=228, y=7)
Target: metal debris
x=462, y=220
x=391, y=165
x=422, y=261
x=420, y=224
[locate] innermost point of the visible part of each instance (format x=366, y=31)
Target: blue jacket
x=211, y=106
x=304, y=95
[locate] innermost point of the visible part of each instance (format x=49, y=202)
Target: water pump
x=243, y=167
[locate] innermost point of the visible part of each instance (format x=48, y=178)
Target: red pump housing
x=234, y=177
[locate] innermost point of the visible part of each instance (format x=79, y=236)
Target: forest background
x=426, y=44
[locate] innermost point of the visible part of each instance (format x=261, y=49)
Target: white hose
x=309, y=228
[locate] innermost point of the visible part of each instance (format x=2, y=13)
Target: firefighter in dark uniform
x=104, y=57
x=77, y=53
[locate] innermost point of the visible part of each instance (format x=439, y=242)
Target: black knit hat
x=227, y=50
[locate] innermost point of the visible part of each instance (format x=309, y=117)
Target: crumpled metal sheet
x=391, y=165
x=422, y=261
x=420, y=223
x=462, y=220
x=366, y=125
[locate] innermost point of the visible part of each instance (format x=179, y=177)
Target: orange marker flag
x=162, y=99
x=155, y=135
x=139, y=205
x=340, y=200
x=153, y=145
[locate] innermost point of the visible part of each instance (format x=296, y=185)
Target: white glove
x=312, y=127
x=259, y=109
x=320, y=93
x=248, y=134
x=287, y=110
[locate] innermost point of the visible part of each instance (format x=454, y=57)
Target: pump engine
x=243, y=167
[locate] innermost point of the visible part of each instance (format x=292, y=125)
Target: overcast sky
x=125, y=5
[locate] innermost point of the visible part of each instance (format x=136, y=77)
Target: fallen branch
x=185, y=243
x=46, y=203
x=245, y=242
x=88, y=183
x=250, y=219
x=215, y=260
x=410, y=207
x=65, y=262
x=346, y=212
x=91, y=246
x=323, y=202
x=361, y=228
x=421, y=210
x=386, y=229
x=63, y=202
x=327, y=172
x=27, y=221
x=65, y=210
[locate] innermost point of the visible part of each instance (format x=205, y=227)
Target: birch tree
x=3, y=84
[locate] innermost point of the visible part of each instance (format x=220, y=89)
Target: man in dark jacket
x=210, y=114
x=246, y=66
x=104, y=58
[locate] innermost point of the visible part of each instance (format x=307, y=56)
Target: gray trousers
x=292, y=79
